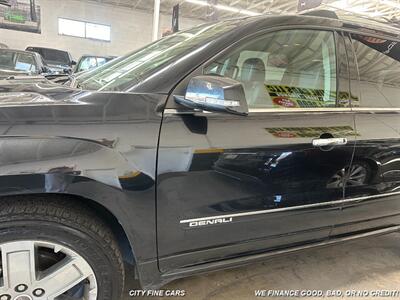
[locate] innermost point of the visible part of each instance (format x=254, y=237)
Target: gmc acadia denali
x=217, y=146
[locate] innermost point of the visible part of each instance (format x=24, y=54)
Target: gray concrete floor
x=366, y=264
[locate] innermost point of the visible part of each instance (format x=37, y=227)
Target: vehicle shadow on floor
x=367, y=264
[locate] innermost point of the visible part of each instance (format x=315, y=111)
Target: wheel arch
x=100, y=210
x=131, y=212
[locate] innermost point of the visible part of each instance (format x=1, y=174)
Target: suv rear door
x=230, y=185
x=373, y=200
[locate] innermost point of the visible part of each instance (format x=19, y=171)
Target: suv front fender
x=91, y=170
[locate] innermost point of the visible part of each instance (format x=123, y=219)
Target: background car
x=59, y=61
x=18, y=62
x=88, y=62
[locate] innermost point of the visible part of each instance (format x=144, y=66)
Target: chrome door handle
x=329, y=142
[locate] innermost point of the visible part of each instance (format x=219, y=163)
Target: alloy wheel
x=356, y=176
x=36, y=270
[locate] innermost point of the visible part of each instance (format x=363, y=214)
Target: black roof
x=35, y=47
x=360, y=22
x=323, y=18
x=17, y=51
x=99, y=56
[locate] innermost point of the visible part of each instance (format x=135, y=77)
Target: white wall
x=130, y=29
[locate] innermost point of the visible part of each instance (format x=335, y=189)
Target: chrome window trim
x=376, y=109
x=324, y=109
x=300, y=110
x=275, y=210
x=173, y=111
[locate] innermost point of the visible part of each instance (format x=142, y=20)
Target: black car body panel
x=109, y=128
x=276, y=174
x=195, y=191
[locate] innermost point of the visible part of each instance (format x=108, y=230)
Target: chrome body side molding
x=268, y=211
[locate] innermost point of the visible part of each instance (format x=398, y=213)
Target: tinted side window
x=7, y=60
x=284, y=69
x=87, y=63
x=378, y=62
x=25, y=62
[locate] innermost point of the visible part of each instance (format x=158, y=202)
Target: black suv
x=218, y=146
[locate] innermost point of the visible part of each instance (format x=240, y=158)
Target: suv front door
x=230, y=185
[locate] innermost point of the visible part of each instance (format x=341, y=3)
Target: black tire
x=62, y=221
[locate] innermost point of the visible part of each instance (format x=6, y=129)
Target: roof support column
x=156, y=19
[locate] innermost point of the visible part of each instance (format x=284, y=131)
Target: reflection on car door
x=230, y=185
x=373, y=191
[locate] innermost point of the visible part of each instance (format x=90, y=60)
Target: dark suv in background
x=218, y=146
x=59, y=61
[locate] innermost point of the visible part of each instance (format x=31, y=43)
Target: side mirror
x=215, y=94
x=67, y=71
x=46, y=70
x=73, y=63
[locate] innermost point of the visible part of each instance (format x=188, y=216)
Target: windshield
x=17, y=61
x=129, y=70
x=53, y=56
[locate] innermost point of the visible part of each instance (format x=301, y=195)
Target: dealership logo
x=210, y=222
x=285, y=102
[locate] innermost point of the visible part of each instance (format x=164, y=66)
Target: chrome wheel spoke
x=356, y=170
x=63, y=276
x=45, y=271
x=356, y=176
x=18, y=263
x=353, y=182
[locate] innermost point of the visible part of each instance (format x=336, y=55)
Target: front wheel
x=54, y=250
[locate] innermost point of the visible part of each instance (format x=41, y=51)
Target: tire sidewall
x=83, y=243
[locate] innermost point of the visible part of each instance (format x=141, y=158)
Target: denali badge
x=209, y=222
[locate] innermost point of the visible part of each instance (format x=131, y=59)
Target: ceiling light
x=340, y=4
x=360, y=10
x=198, y=2
x=391, y=3
x=225, y=8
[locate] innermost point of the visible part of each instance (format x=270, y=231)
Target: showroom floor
x=367, y=264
